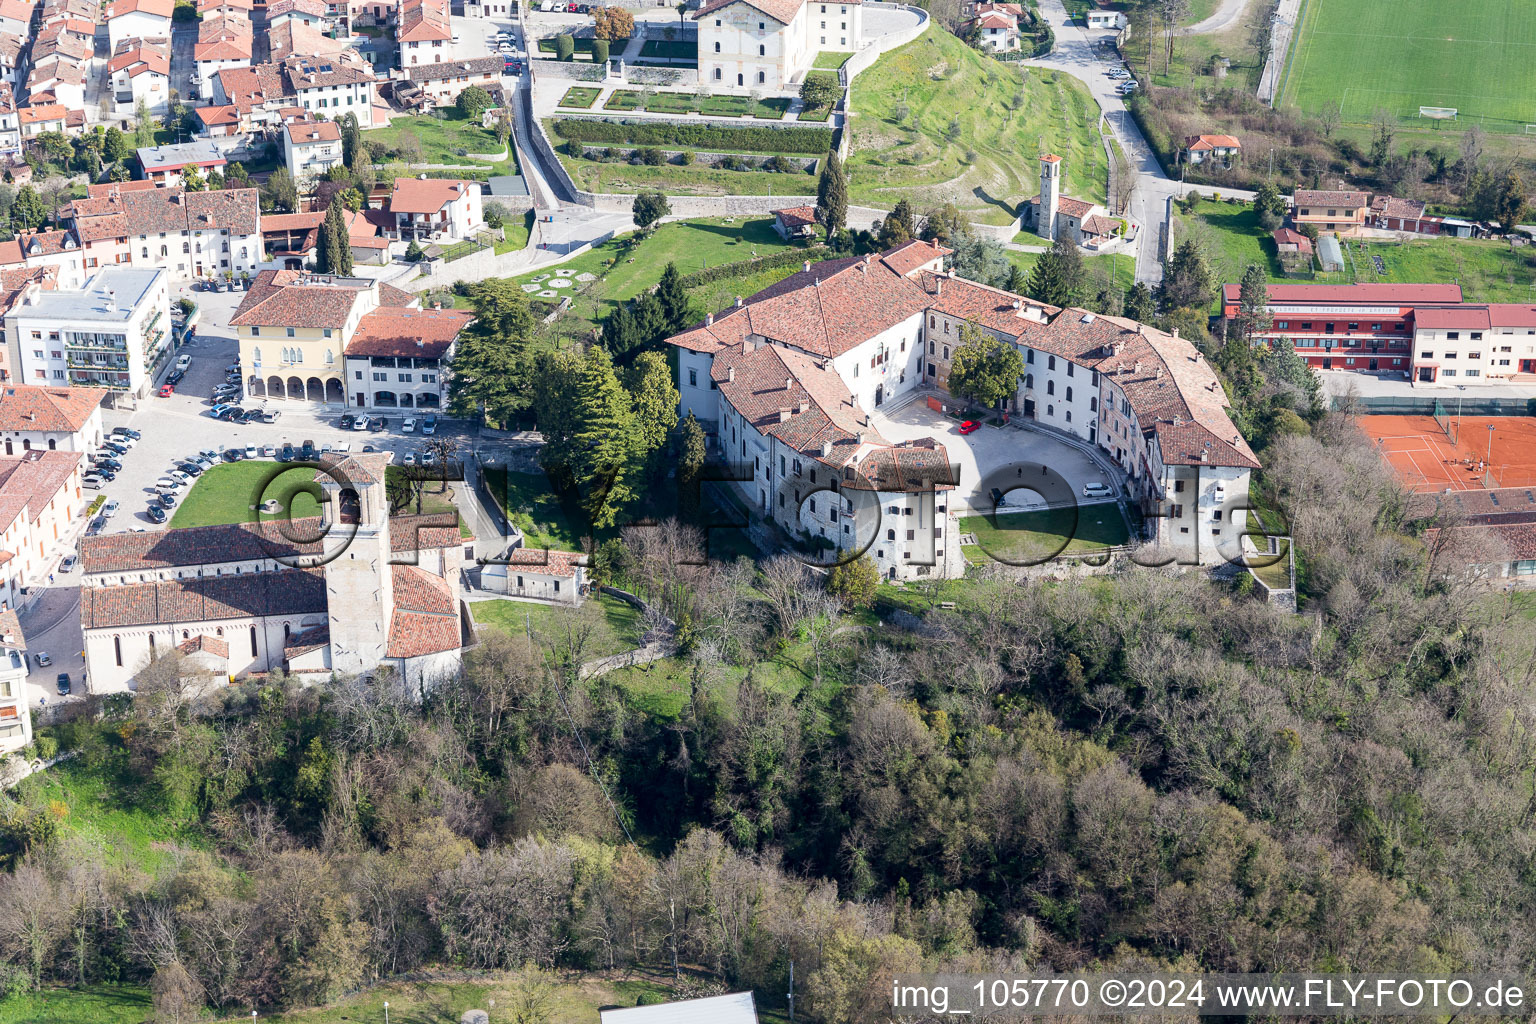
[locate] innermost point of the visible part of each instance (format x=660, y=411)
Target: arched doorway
x=295, y=388
x=880, y=394
x=333, y=392
x=275, y=388
x=256, y=387
x=314, y=390
x=385, y=399
x=349, y=508
x=426, y=401
x=407, y=400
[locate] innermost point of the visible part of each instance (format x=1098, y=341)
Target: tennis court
x=1436, y=453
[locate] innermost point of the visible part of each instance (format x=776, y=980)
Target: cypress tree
x=832, y=195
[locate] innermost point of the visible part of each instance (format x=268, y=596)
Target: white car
x=427, y=458
x=408, y=427
x=109, y=509
x=268, y=452
x=410, y=458
x=182, y=475
x=169, y=483
x=44, y=659
x=250, y=451
x=183, y=362
x=1097, y=490
x=504, y=48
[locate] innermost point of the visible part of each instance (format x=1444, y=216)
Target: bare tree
x=788, y=586
x=444, y=450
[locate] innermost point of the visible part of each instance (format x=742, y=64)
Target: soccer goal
x=1439, y=113
x=1530, y=129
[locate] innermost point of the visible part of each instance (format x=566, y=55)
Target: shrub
x=565, y=48
x=650, y=156
x=685, y=157
x=47, y=747
x=780, y=165
x=599, y=51
x=743, y=268
x=754, y=139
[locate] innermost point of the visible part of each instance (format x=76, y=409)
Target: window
x=762, y=78
x=1477, y=335
x=693, y=378
x=1450, y=355
x=762, y=51
x=1470, y=373
x=117, y=650
x=1474, y=355
x=1452, y=335
x=290, y=332
x=946, y=351
x=1050, y=363
x=1426, y=355
x=1447, y=373
x=1050, y=387
x=405, y=378
x=1069, y=394
x=359, y=374
x=717, y=73
x=717, y=47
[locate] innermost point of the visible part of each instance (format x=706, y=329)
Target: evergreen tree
x=653, y=398
x=236, y=176
x=605, y=441
x=650, y=207
x=619, y=331
x=280, y=191
x=414, y=252
x=114, y=145
x=1188, y=282
x=29, y=212
x=335, y=252
x=692, y=452
x=1016, y=281
x=1058, y=275
x=899, y=227
x=488, y=366
x=673, y=298
x=650, y=320
x=1253, y=313
x=832, y=195
x=1139, y=305
x=351, y=140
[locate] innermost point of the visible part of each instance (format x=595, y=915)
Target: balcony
x=92, y=365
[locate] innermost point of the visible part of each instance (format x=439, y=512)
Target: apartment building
x=110, y=334
x=15, y=716
x=138, y=19
x=40, y=498
x=140, y=71
x=167, y=165
x=399, y=358
x=187, y=234
x=310, y=148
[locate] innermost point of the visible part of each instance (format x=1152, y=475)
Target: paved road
x=1075, y=54
x=1223, y=18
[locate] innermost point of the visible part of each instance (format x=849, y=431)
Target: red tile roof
x=1365, y=294
x=1341, y=200
x=30, y=481
x=1203, y=143
x=55, y=410
x=1398, y=209
x=10, y=630
x=1285, y=236
x=797, y=217
x=158, y=8
x=426, y=616
x=433, y=531
x=204, y=598
x=424, y=333
x=305, y=132
x=292, y=298
x=782, y=11
x=547, y=561
x=43, y=113
x=425, y=21
x=205, y=644
x=426, y=195
x=214, y=116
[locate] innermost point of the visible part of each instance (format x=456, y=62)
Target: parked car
x=44, y=659
x=410, y=458
x=156, y=514
x=270, y=415
x=504, y=48
x=969, y=427
x=183, y=361
x=190, y=468
x=346, y=421
x=169, y=483
x=243, y=416
x=63, y=682
x=427, y=458
x=1097, y=490
x=251, y=452
x=234, y=455
x=125, y=432
x=378, y=423
x=167, y=500
x=308, y=451
x=68, y=564
x=175, y=377
x=92, y=482
x=429, y=425
x=110, y=509
x=108, y=463
x=218, y=410
x=167, y=390
x=115, y=448
x=409, y=426
x=285, y=453
x=361, y=423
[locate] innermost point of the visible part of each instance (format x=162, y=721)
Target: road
x=1076, y=55
x=1221, y=19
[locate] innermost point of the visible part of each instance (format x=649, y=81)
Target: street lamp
x=1461, y=392
x=386, y=1011
x=1490, y=445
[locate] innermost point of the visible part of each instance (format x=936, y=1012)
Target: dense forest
x=1144, y=769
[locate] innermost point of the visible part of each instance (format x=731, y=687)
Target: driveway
x=1007, y=457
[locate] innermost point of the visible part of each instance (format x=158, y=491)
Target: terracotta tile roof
x=153, y=53
x=16, y=280
x=200, y=545
x=1341, y=200
x=287, y=298
x=1071, y=207
x=797, y=216
x=252, y=87
x=426, y=617
x=17, y=10
x=30, y=481
x=363, y=228
x=205, y=644
x=1344, y=294
x=1501, y=504
x=1285, y=236
x=425, y=21
x=223, y=37
x=1400, y=209
x=205, y=6
x=547, y=561
x=292, y=221
x=782, y=11
x=46, y=243
x=150, y=211
x=158, y=8
x=997, y=19
x=10, y=48
x=40, y=114
x=343, y=69
x=443, y=71
x=1101, y=226
x=433, y=531
x=10, y=630
x=295, y=37
x=311, y=639
x=213, y=117
x=302, y=133
x=392, y=331
x=55, y=410
x=365, y=468
x=107, y=189
x=204, y=598
x=426, y=195
x=1204, y=143
x=313, y=8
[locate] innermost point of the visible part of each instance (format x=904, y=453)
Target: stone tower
x=1050, y=196
x=359, y=588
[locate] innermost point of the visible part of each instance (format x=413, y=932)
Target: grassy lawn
x=771, y=109
x=1042, y=533
x=939, y=122
x=618, y=629
x=582, y=96
x=662, y=689
x=98, y=1004
x=831, y=60
x=515, y=233
x=1113, y=270
x=532, y=506
x=1030, y=238
x=1278, y=575
x=669, y=48
x=625, y=266
x=230, y=492
x=694, y=180
x=1365, y=55
x=442, y=138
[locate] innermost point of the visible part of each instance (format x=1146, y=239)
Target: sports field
x=1363, y=55
x=1426, y=458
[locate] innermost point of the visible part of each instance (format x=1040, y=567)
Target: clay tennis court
x=1425, y=458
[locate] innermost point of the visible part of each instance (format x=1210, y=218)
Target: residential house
x=1500, y=523
x=291, y=239
x=1393, y=214
x=16, y=17
x=374, y=12
x=10, y=122
x=49, y=418
x=168, y=165
x=1330, y=211
x=1295, y=248
x=11, y=46
x=332, y=87
x=141, y=72
x=425, y=33
x=996, y=30
x=241, y=8
x=310, y=148
x=14, y=283
x=256, y=95
x=15, y=716
x=55, y=248
x=219, y=121
x=312, y=13
x=293, y=37
x=436, y=209
x=40, y=499
x=769, y=45
x=538, y=574
x=59, y=80
x=56, y=11
x=398, y=358
x=258, y=597
x=795, y=222
x=440, y=84
x=223, y=41
x=138, y=19
x=1221, y=149
x=187, y=234
x=110, y=334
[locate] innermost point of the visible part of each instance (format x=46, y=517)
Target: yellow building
x=294, y=328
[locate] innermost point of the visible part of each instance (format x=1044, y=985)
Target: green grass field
x=1042, y=533
x=1365, y=55
x=938, y=122
x=1117, y=270
x=441, y=139
x=618, y=628
x=230, y=492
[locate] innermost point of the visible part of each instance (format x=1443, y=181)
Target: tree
x=1139, y=304
x=473, y=102
x=613, y=23
x=943, y=223
x=590, y=434
x=1384, y=129
x=619, y=335
x=899, y=227
x=599, y=51
x=984, y=369
x=1016, y=282
x=980, y=259
x=692, y=451
x=650, y=207
x=29, y=212
x=236, y=176
x=488, y=371
x=1269, y=205
x=676, y=311
x=653, y=398
x=1057, y=277
x=1510, y=201
x=818, y=91
x=353, y=152
x=334, y=254
x=1253, y=306
x=854, y=582
x=114, y=145
x=145, y=125
x=193, y=181
x=832, y=195
x=281, y=192
x=1188, y=282
x=565, y=48
x=414, y=253
x=502, y=125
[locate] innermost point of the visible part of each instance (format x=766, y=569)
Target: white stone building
x=107, y=335
x=15, y=716
x=36, y=418
x=310, y=148
x=436, y=209
x=769, y=45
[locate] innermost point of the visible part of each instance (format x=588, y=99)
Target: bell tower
x=359, y=588
x=1050, y=196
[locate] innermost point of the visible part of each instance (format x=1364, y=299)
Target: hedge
x=811, y=141
x=725, y=271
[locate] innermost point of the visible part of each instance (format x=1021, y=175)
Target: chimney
x=1137, y=368
x=738, y=302
x=1205, y=456
x=789, y=383
x=807, y=267
x=1175, y=332
x=800, y=407
x=826, y=449
x=859, y=437
x=1018, y=304
x=730, y=374
x=709, y=319
x=783, y=415
x=420, y=343
x=938, y=286
x=747, y=347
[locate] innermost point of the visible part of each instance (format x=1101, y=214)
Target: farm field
x=938, y=122
x=1367, y=55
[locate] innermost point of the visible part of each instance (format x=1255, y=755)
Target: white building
x=16, y=17
x=40, y=499
x=784, y=379
x=36, y=418
x=138, y=19
x=440, y=84
x=368, y=591
x=398, y=358
x=310, y=148
x=536, y=574
x=15, y=716
x=167, y=165
x=436, y=209
x=223, y=41
x=1053, y=215
x=107, y=335
x=141, y=71
x=769, y=45
x=332, y=87
x=187, y=234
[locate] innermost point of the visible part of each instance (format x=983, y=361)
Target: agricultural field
x=1367, y=55
x=938, y=122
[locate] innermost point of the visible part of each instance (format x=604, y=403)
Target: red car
x=969, y=427
x=167, y=390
